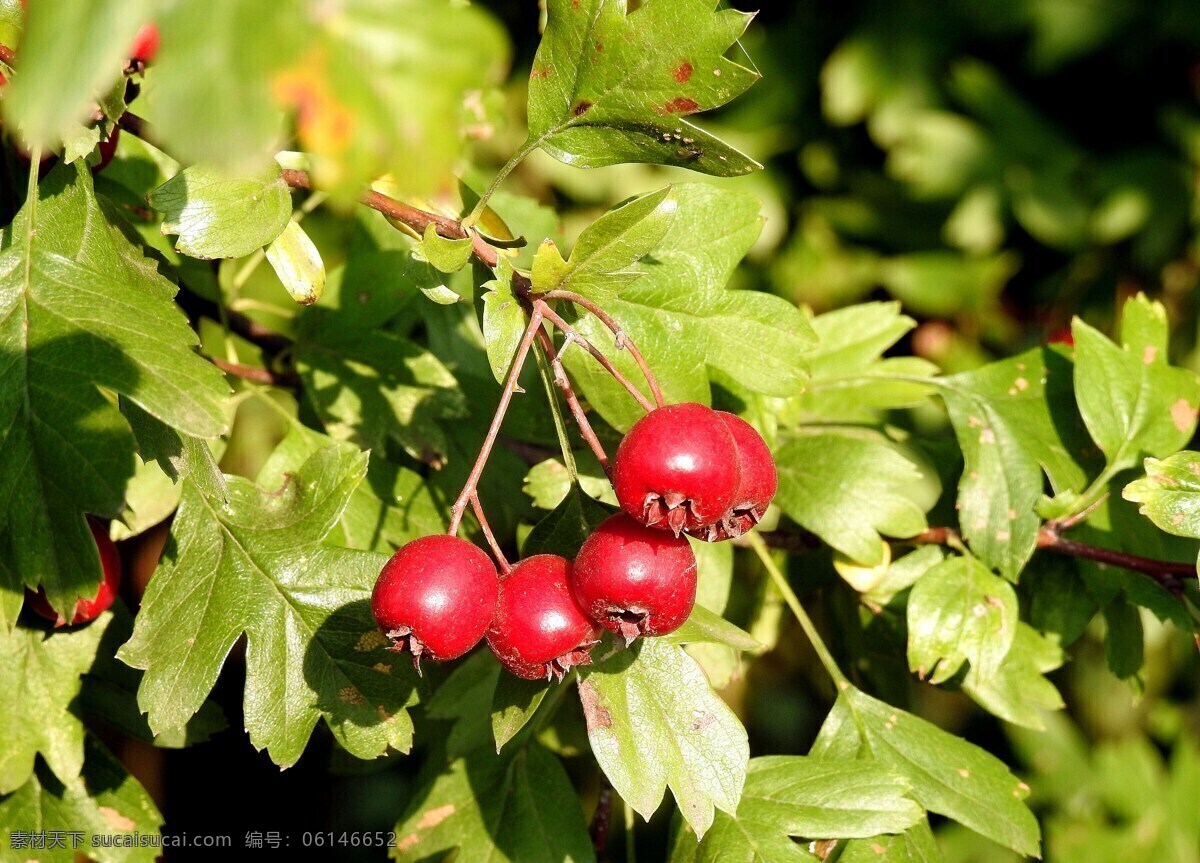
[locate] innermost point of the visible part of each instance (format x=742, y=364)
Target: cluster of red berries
x=87, y=610
x=680, y=469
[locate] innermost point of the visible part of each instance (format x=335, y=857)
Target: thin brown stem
x=1167, y=573
x=481, y=517
x=563, y=382
x=7, y=55
x=623, y=341
x=510, y=386
x=598, y=829
x=256, y=374
x=574, y=335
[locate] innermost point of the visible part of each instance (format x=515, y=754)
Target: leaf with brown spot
x=622, y=82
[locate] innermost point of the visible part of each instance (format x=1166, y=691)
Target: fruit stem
x=477, y=508
x=789, y=596
x=623, y=339
x=630, y=844
x=573, y=335
x=510, y=387
x=560, y=424
x=585, y=428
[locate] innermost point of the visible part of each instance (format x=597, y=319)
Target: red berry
x=145, y=44
x=108, y=149
x=435, y=597
x=756, y=489
x=539, y=630
x=87, y=610
x=677, y=468
x=1062, y=336
x=635, y=580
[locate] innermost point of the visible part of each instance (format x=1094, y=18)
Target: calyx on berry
x=756, y=487
x=435, y=597
x=677, y=468
x=634, y=580
x=87, y=610
x=539, y=630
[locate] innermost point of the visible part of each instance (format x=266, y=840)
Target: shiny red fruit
x=757, y=485
x=435, y=597
x=108, y=149
x=677, y=468
x=87, y=610
x=634, y=580
x=145, y=44
x=539, y=630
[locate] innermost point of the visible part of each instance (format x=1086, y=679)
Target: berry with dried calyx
x=539, y=630
x=435, y=597
x=677, y=468
x=87, y=610
x=756, y=487
x=145, y=45
x=634, y=580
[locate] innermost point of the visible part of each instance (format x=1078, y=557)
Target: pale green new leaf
x=81, y=310
x=849, y=491
x=915, y=845
x=654, y=722
x=219, y=215
x=948, y=775
x=504, y=322
x=610, y=87
x=513, y=704
x=685, y=322
x=1134, y=403
x=807, y=798
x=960, y=612
x=105, y=802
x=297, y=262
x=517, y=808
x=708, y=627
x=603, y=258
x=256, y=565
x=445, y=255
x=40, y=675
x=548, y=482
x=1169, y=493
x=1013, y=420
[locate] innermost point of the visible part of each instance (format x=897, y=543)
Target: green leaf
x=806, y=798
x=371, y=386
x=849, y=377
x=685, y=322
x=1169, y=494
x=1133, y=402
x=849, y=490
x=40, y=672
x=519, y=808
x=256, y=565
x=654, y=722
x=1013, y=420
x=180, y=456
x=1018, y=691
x=394, y=505
x=297, y=263
x=446, y=255
x=704, y=626
x=948, y=775
x=563, y=531
x=1125, y=641
x=513, y=704
x=548, y=482
x=71, y=57
x=81, y=310
x=218, y=215
x=373, y=89
x=959, y=612
x=609, y=87
x=915, y=845
x=504, y=323
x=105, y=802
x=602, y=261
